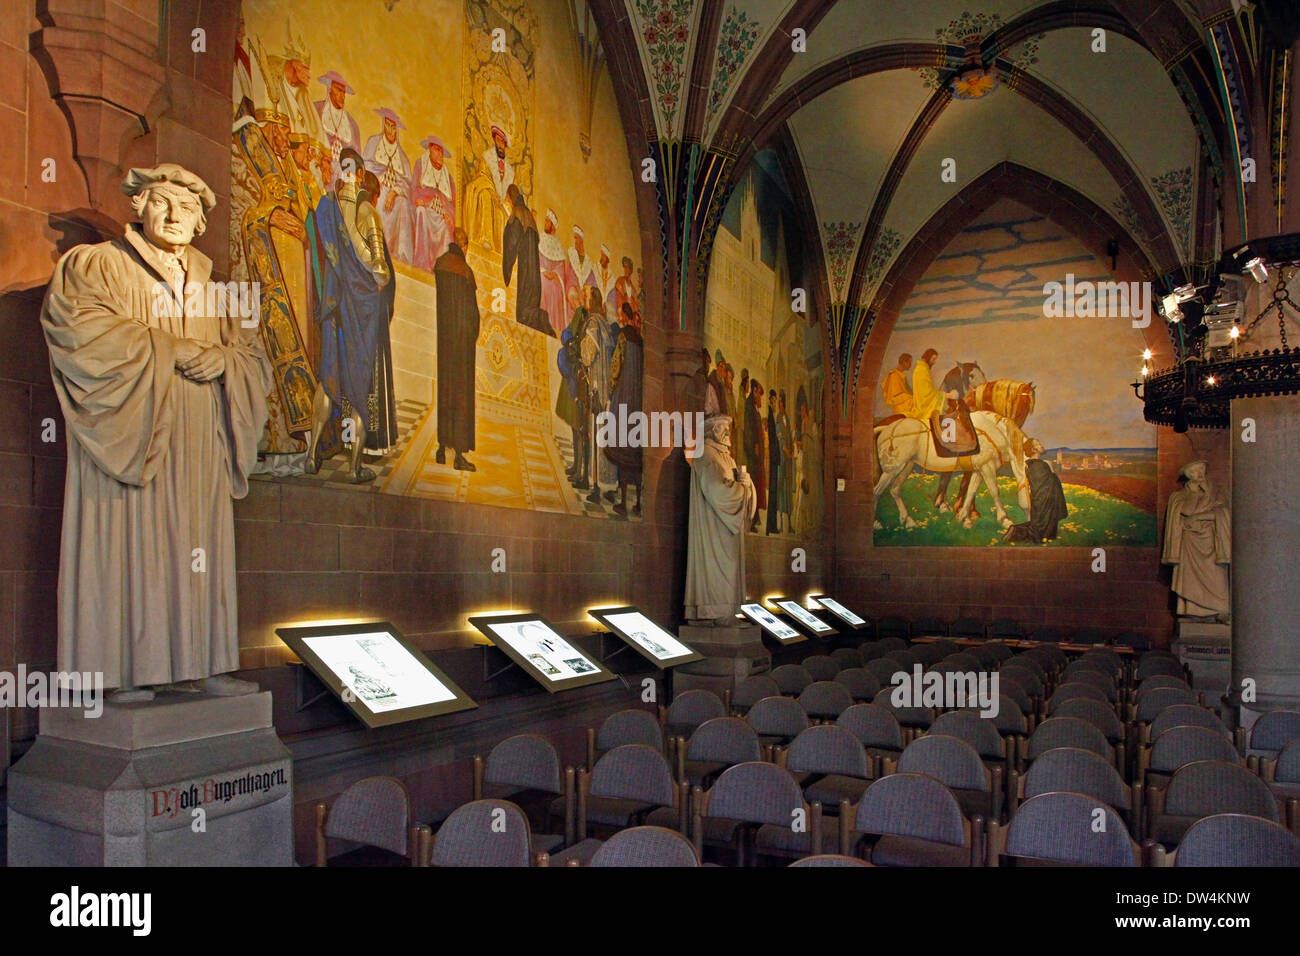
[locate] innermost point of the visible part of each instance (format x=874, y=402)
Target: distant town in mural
x=1043, y=411
x=448, y=302
x=764, y=360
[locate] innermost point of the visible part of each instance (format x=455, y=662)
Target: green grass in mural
x=1095, y=519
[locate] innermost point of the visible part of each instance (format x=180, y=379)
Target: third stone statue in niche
x=1198, y=543
x=723, y=502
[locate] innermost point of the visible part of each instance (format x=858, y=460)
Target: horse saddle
x=954, y=423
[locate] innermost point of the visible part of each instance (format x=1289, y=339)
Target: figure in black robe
x=1047, y=507
x=458, y=327
x=519, y=246
x=773, y=464
x=626, y=372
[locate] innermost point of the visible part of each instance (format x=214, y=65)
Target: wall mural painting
x=764, y=361
x=1037, y=423
x=448, y=299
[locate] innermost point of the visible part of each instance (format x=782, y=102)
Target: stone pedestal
x=731, y=653
x=127, y=788
x=1265, y=532
x=1205, y=647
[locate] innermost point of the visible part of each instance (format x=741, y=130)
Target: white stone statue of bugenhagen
x=723, y=502
x=164, y=400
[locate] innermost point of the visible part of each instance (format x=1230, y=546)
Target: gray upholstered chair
x=968, y=627
x=1004, y=629
x=1046, y=635
x=485, y=833
x=821, y=666
x=1103, y=717
x=829, y=859
x=847, y=657
x=689, y=710
x=1273, y=731
x=375, y=813
x=987, y=658
x=751, y=690
x=777, y=721
x=716, y=745
x=1008, y=686
x=1183, y=745
x=929, y=627
x=791, y=679
x=927, y=653
x=1283, y=776
x=910, y=819
x=630, y=726
x=1024, y=678
x=963, y=660
x=1151, y=664
x=1091, y=675
x=861, y=684
x=1188, y=715
x=646, y=846
x=825, y=699
x=982, y=733
x=893, y=629
x=1079, y=771
x=830, y=763
x=1149, y=704
x=1071, y=690
x=1234, y=839
x=762, y=808
x=914, y=718
x=882, y=669
x=525, y=769
x=957, y=765
x=877, y=729
x=1201, y=789
x=871, y=650
x=998, y=649
x=1161, y=680
x=904, y=659
x=946, y=647
x=1061, y=829
x=1049, y=659
x=1067, y=732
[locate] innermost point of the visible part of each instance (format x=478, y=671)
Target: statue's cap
x=139, y=179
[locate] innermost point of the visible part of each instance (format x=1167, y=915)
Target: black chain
x=1281, y=299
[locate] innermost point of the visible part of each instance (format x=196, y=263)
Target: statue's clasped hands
x=199, y=363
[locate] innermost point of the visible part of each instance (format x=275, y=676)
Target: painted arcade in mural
x=763, y=359
x=448, y=304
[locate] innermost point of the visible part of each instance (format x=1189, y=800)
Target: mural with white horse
x=1029, y=385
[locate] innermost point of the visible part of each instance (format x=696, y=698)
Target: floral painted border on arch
x=736, y=39
x=665, y=28
x=841, y=240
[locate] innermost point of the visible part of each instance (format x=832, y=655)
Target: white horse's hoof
x=944, y=507
x=968, y=523
x=909, y=523
x=1006, y=523
x=877, y=526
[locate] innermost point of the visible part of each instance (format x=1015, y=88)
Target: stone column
x=1265, y=548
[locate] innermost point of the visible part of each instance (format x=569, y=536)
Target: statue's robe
x=721, y=510
x=519, y=247
x=1198, y=543
x=1047, y=507
x=457, y=337
x=154, y=460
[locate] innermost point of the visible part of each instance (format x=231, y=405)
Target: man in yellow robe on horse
x=953, y=433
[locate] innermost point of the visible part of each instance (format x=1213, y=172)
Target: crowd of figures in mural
x=762, y=360
x=429, y=330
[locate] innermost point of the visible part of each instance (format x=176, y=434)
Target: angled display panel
x=531, y=642
x=840, y=611
x=806, y=619
x=645, y=636
x=771, y=624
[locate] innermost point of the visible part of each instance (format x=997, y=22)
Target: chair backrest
x=911, y=805
x=777, y=716
x=1150, y=665
x=375, y=811
x=1183, y=745
x=873, y=725
x=1101, y=715
x=870, y=650
x=1010, y=718
x=484, y=833
x=1275, y=729
x=525, y=760
x=1150, y=704
x=928, y=654
x=634, y=772
x=1237, y=839
x=753, y=689
x=950, y=760
x=828, y=748
x=981, y=733
x=724, y=740
x=1062, y=827
x=1046, y=634
x=1078, y=771
x=1009, y=687
x=1188, y=715
x=630, y=727
x=988, y=660
x=893, y=642
x=1288, y=764
x=821, y=666
x=1206, y=787
x=1072, y=690
x=862, y=685
x=999, y=650
x=829, y=859
x=882, y=669
x=929, y=627
x=892, y=626
x=825, y=698
x=1098, y=678
x=1105, y=654
x=967, y=627
x=964, y=660
x=905, y=659
x=1149, y=684
x=646, y=846
x=756, y=792
x=1030, y=682
x=911, y=716
x=691, y=708
x=847, y=657
x=1067, y=732
x=1089, y=635
x=791, y=678
x=1045, y=658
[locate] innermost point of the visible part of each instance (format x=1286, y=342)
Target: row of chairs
x=999, y=629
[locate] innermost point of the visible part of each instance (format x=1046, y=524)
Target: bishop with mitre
x=164, y=399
